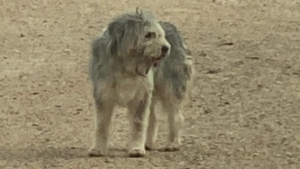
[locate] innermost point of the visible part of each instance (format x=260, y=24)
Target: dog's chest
x=128, y=89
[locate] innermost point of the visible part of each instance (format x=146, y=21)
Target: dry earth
x=244, y=107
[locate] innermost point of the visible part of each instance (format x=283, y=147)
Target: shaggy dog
x=136, y=62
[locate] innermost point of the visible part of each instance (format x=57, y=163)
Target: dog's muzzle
x=164, y=52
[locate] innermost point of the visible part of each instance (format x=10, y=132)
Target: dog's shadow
x=34, y=153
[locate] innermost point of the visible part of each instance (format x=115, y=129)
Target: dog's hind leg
x=152, y=127
x=175, y=120
x=103, y=113
x=139, y=116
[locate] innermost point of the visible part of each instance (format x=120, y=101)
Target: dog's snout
x=164, y=49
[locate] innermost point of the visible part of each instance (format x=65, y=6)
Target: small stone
x=289, y=154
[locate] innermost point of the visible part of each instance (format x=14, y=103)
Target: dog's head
x=138, y=36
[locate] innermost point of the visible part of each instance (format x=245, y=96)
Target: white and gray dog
x=136, y=62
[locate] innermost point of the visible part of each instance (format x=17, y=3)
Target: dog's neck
x=135, y=64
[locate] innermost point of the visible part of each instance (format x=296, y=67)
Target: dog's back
x=174, y=73
x=99, y=58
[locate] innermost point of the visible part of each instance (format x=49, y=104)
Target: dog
x=136, y=62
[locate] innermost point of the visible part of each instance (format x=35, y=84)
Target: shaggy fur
x=172, y=79
x=135, y=64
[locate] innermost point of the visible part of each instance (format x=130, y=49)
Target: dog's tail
x=191, y=72
x=187, y=50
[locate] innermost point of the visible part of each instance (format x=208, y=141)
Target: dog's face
x=154, y=44
x=138, y=36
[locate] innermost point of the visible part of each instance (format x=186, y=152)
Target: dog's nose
x=164, y=49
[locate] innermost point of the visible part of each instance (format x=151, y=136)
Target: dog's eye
x=150, y=35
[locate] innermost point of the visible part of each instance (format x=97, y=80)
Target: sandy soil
x=244, y=108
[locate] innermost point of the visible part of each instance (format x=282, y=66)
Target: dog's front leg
x=152, y=127
x=103, y=115
x=139, y=114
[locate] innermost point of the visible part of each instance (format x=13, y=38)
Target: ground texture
x=244, y=108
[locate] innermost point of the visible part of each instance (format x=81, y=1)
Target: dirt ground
x=244, y=108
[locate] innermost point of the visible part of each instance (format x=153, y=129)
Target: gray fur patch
x=173, y=68
x=141, y=108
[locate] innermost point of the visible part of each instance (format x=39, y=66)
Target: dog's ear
x=116, y=35
x=124, y=33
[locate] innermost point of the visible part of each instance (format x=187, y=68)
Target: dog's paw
x=94, y=152
x=137, y=153
x=149, y=148
x=172, y=147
